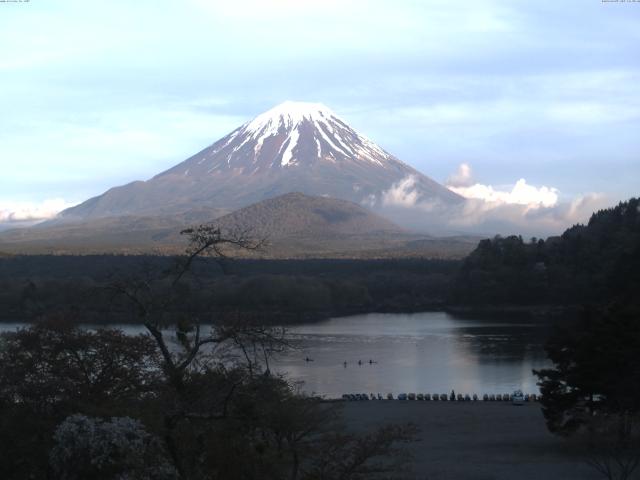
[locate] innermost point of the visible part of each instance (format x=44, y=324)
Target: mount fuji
x=294, y=147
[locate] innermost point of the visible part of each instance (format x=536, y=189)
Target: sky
x=533, y=103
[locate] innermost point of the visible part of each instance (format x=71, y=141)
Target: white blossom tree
x=115, y=449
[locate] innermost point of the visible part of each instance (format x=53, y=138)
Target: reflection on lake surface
x=431, y=352
x=423, y=352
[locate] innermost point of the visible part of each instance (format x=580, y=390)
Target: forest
x=281, y=291
x=596, y=264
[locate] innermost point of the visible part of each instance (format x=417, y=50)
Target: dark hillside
x=594, y=263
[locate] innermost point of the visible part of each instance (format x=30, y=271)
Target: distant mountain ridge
x=294, y=225
x=299, y=214
x=295, y=146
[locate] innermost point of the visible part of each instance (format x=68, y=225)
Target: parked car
x=517, y=398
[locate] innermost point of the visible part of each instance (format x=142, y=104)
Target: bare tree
x=155, y=301
x=160, y=302
x=347, y=456
x=614, y=445
x=221, y=401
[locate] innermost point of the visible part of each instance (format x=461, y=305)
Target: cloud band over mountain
x=31, y=211
x=520, y=208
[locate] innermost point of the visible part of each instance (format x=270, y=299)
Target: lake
x=431, y=352
x=422, y=352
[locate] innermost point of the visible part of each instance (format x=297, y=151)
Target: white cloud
x=514, y=218
x=462, y=177
x=521, y=194
x=585, y=205
x=402, y=193
x=522, y=207
x=29, y=211
x=461, y=182
x=518, y=209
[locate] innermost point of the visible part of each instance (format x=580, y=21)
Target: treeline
x=596, y=263
x=105, y=266
x=280, y=291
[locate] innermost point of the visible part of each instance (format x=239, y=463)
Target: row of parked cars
x=516, y=397
x=363, y=396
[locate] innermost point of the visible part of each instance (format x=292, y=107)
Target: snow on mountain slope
x=292, y=134
x=295, y=146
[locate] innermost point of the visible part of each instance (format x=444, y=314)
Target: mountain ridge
x=294, y=225
x=298, y=214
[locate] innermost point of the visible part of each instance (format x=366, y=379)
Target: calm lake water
x=431, y=352
x=423, y=352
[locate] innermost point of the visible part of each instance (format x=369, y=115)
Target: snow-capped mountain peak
x=294, y=134
x=293, y=147
x=290, y=114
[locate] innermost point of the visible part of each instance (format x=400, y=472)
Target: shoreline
x=286, y=318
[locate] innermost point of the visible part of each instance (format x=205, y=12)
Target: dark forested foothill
x=282, y=291
x=592, y=391
x=593, y=264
